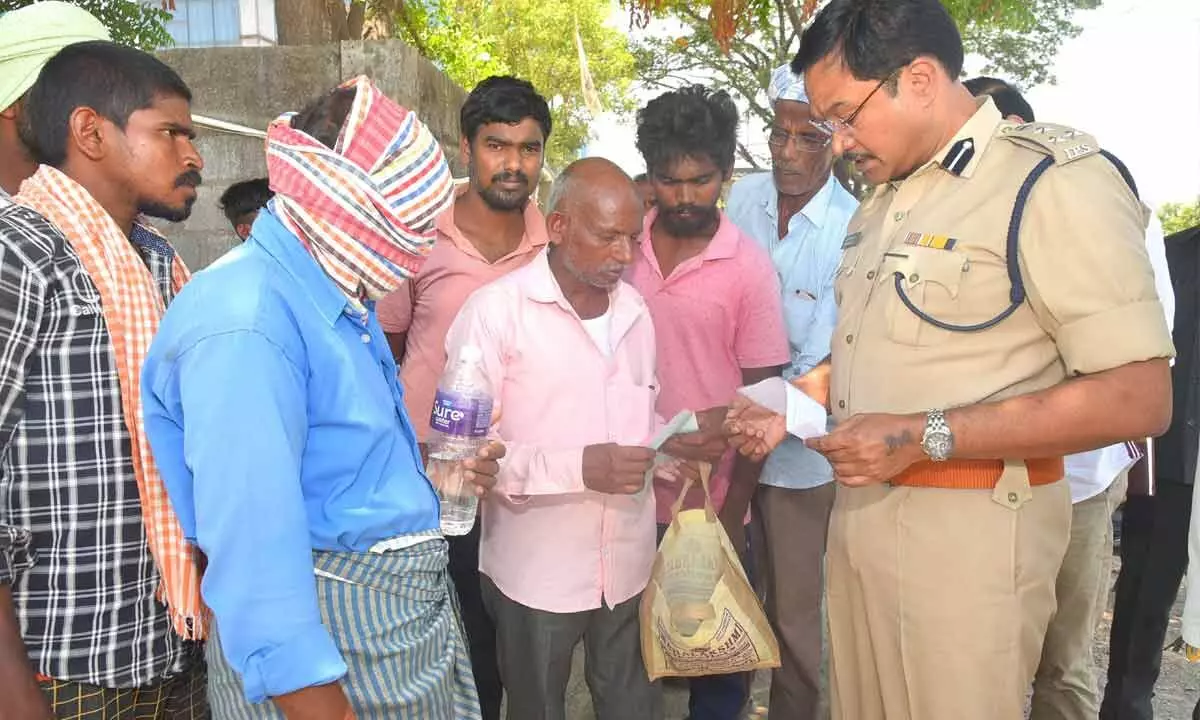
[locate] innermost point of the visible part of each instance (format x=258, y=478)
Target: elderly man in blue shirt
x=278, y=423
x=799, y=213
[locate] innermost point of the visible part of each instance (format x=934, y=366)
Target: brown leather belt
x=975, y=474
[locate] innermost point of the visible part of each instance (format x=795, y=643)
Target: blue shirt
x=806, y=259
x=265, y=462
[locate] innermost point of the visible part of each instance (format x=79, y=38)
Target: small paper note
x=684, y=422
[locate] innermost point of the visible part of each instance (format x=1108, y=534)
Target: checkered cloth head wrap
x=365, y=208
x=786, y=85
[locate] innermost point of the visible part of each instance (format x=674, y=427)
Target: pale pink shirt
x=425, y=306
x=548, y=542
x=717, y=313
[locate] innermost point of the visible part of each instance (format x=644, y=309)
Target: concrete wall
x=252, y=86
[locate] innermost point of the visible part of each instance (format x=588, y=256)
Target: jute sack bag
x=699, y=615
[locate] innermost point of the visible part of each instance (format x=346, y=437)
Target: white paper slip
x=684, y=422
x=805, y=417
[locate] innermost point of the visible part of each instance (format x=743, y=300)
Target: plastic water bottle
x=462, y=414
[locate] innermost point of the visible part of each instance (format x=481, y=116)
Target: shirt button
x=841, y=404
x=366, y=337
x=849, y=339
x=914, y=278
x=898, y=216
x=870, y=274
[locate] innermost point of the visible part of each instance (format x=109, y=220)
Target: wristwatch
x=938, y=440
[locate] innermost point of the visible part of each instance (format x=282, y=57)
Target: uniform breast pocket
x=630, y=412
x=921, y=284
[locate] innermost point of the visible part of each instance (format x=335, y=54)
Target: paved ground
x=1177, y=690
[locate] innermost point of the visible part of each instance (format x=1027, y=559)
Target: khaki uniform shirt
x=1090, y=299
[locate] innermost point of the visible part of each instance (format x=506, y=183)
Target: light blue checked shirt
x=806, y=260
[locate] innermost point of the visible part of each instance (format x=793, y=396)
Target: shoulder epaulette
x=1060, y=142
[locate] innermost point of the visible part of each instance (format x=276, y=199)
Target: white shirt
x=1091, y=473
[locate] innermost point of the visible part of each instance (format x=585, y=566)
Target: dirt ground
x=1176, y=693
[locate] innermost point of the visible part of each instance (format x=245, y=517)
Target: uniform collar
x=961, y=155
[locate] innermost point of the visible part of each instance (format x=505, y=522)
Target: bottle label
x=457, y=415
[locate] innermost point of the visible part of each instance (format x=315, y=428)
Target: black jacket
x=1175, y=452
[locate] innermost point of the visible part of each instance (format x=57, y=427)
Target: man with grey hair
x=798, y=212
x=568, y=530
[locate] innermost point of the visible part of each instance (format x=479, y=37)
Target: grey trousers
x=535, y=649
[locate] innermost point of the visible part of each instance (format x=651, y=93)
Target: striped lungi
x=394, y=617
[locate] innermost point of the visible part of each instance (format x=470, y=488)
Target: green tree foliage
x=129, y=22
x=1019, y=38
x=531, y=39
x=1177, y=217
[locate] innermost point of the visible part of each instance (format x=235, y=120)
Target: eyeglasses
x=812, y=141
x=835, y=126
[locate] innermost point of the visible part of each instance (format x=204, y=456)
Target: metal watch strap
x=935, y=424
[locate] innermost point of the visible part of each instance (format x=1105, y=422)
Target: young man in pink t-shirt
x=493, y=228
x=714, y=297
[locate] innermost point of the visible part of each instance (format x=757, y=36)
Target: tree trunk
x=303, y=22
x=356, y=20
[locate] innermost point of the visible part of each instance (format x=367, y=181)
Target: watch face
x=939, y=445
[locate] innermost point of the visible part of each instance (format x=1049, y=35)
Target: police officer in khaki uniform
x=969, y=357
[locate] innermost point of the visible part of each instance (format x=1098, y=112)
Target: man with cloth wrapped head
x=278, y=422
x=798, y=212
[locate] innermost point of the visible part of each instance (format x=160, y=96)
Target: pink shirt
x=717, y=313
x=425, y=307
x=548, y=542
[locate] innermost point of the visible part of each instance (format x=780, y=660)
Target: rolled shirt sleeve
x=16, y=552
x=232, y=470
x=1088, y=273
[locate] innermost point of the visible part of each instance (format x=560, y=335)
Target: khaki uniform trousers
x=938, y=600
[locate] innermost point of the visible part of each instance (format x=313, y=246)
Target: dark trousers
x=718, y=697
x=537, y=647
x=1154, y=555
x=478, y=625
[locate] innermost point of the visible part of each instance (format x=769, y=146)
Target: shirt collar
x=535, y=228
x=540, y=285
x=817, y=208
x=723, y=245
x=275, y=239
